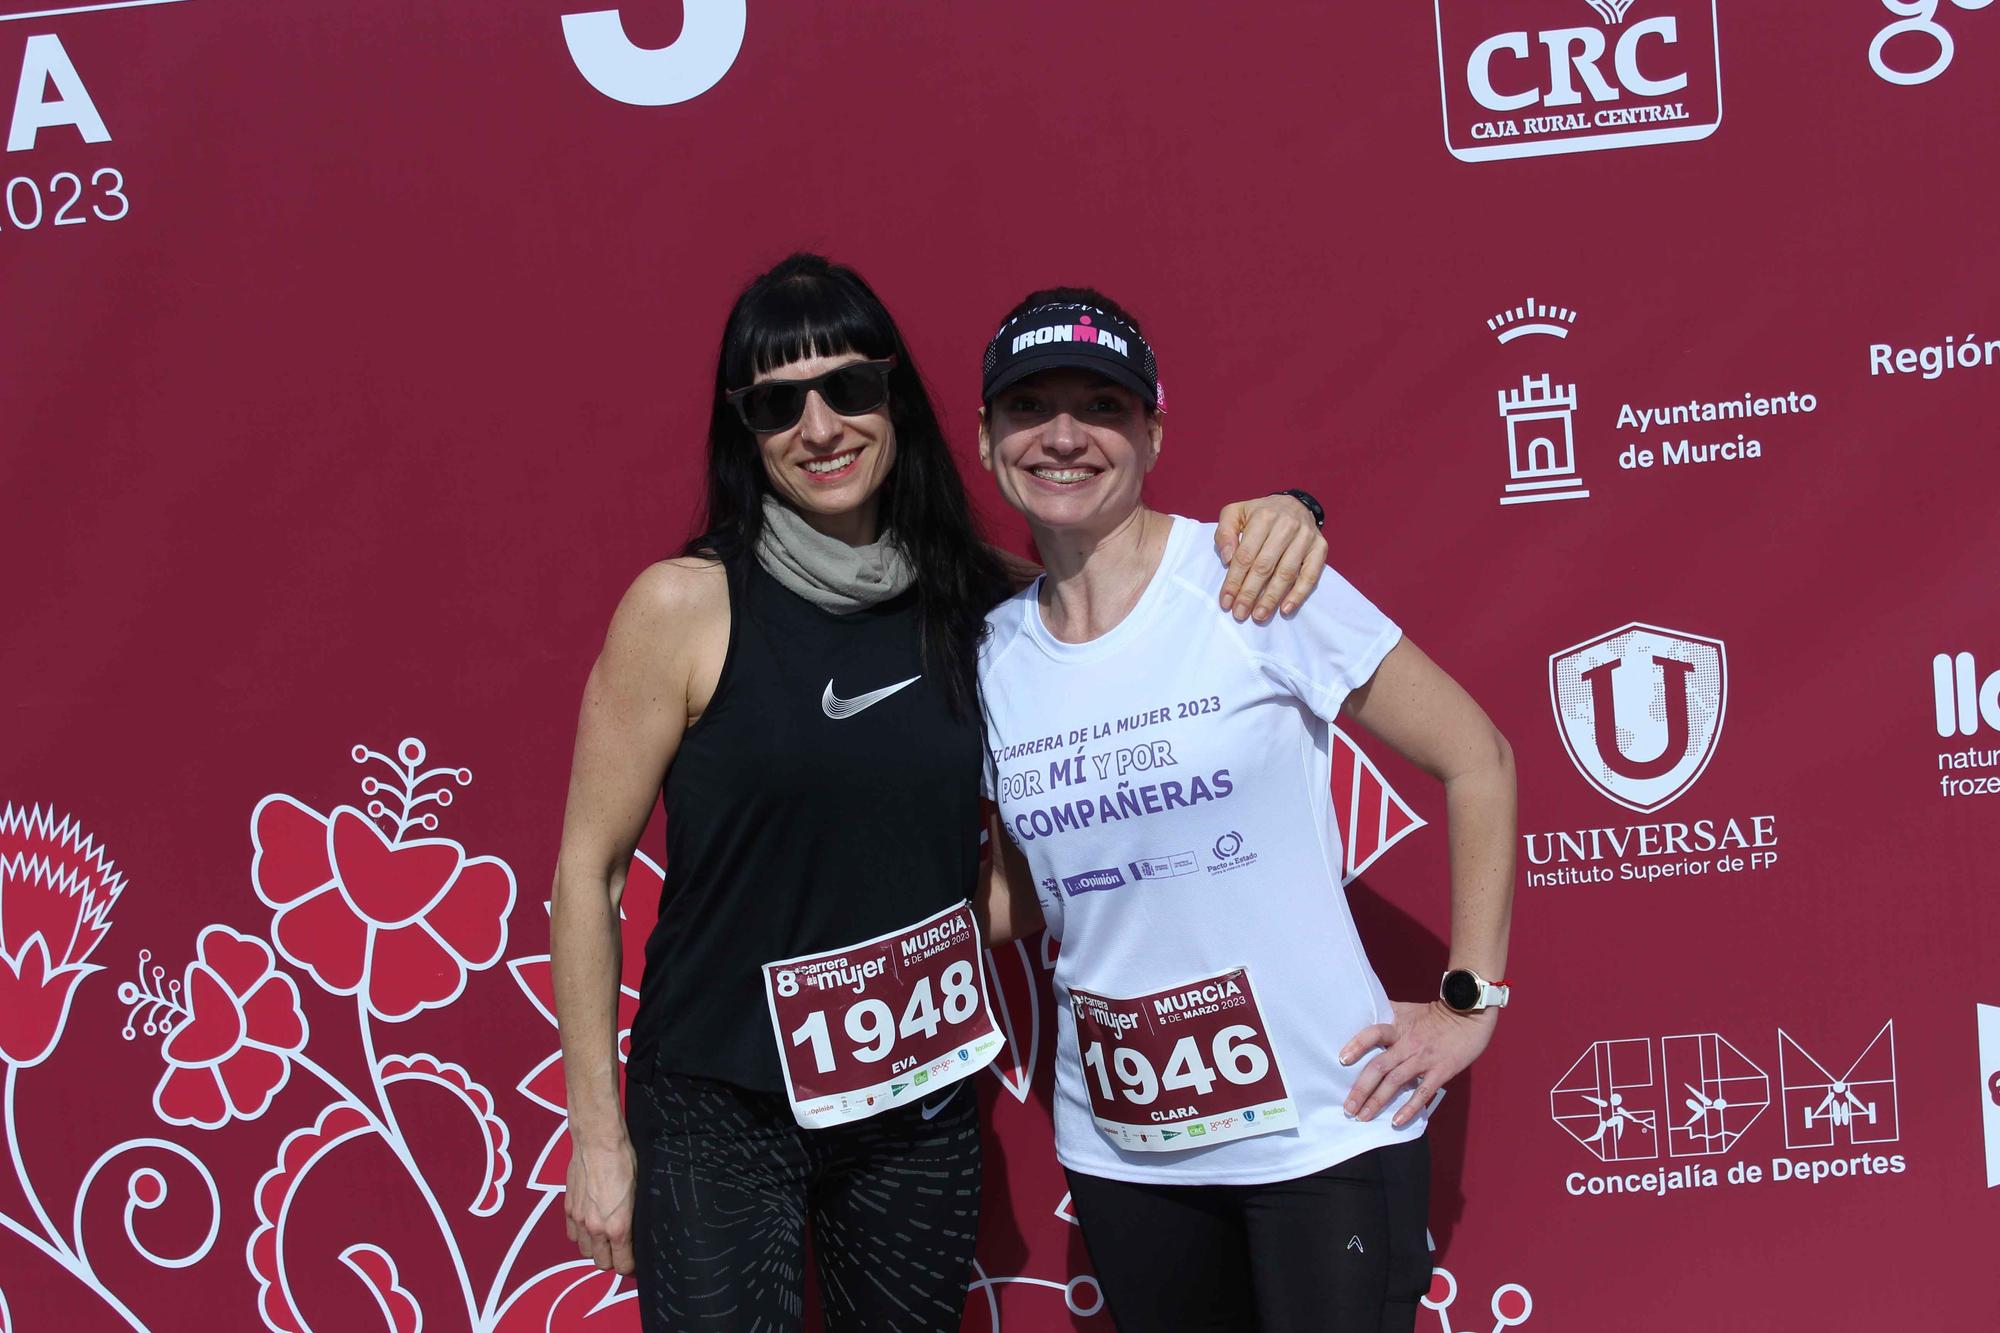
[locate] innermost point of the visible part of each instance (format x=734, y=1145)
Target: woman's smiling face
x=828, y=466
x=1069, y=448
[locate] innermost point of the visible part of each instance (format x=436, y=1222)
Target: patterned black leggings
x=729, y=1183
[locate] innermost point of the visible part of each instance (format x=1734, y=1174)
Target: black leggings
x=728, y=1184
x=1340, y=1251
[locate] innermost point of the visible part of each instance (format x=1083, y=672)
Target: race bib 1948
x=1181, y=1068
x=887, y=1021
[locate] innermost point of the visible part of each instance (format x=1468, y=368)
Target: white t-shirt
x=1184, y=761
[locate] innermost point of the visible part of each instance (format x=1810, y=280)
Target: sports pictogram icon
x=1606, y=1101
x=1714, y=1093
x=1858, y=1106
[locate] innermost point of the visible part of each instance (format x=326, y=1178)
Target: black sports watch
x=1313, y=507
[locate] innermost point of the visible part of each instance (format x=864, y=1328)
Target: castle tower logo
x=1640, y=710
x=1541, y=442
x=1542, y=78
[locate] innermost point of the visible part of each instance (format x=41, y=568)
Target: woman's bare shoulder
x=668, y=603
x=680, y=587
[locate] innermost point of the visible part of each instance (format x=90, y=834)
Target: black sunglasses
x=776, y=405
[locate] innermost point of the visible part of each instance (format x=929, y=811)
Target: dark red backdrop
x=357, y=364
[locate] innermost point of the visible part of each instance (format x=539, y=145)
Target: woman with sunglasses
x=800, y=686
x=1227, y=1157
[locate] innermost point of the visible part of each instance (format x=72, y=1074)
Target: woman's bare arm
x=636, y=705
x=1423, y=714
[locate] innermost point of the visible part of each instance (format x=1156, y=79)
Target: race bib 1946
x=1181, y=1068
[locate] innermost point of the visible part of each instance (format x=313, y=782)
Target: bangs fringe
x=803, y=316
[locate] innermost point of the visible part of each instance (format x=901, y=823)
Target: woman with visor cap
x=1228, y=1153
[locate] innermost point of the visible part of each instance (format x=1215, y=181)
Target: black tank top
x=826, y=796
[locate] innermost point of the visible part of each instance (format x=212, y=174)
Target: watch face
x=1460, y=990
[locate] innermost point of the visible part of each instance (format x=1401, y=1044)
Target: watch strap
x=1313, y=506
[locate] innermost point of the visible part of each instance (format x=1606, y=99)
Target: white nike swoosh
x=837, y=708
x=931, y=1110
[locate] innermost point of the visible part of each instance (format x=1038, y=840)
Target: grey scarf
x=826, y=571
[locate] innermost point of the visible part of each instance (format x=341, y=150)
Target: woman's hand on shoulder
x=1275, y=555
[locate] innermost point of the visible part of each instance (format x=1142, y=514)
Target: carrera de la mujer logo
x=1528, y=78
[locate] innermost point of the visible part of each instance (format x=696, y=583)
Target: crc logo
x=711, y=35
x=1962, y=700
x=1574, y=76
x=1640, y=710
x=1917, y=20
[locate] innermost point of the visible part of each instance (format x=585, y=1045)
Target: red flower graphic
x=569, y=1298
x=398, y=920
x=544, y=1085
x=373, y=1265
x=301, y=1149
x=227, y=1057
x=56, y=894
x=426, y=1068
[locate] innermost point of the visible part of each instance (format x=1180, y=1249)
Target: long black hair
x=808, y=306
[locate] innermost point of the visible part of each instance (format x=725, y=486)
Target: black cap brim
x=1070, y=356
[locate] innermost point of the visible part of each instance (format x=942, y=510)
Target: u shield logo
x=711, y=36
x=1604, y=719
x=1640, y=710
